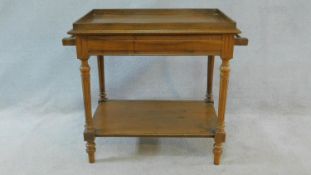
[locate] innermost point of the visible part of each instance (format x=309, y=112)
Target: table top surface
x=157, y=21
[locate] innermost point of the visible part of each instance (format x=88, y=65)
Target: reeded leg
x=89, y=126
x=101, y=77
x=210, y=72
x=220, y=132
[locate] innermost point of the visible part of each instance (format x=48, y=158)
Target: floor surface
x=53, y=144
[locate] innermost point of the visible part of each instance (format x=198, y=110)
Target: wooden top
x=154, y=21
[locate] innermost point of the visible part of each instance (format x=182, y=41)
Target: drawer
x=110, y=45
x=177, y=45
x=155, y=45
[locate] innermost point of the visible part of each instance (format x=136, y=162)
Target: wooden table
x=195, y=32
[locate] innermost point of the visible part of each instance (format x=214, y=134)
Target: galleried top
x=154, y=21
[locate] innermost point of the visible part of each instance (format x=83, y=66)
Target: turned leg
x=90, y=149
x=210, y=72
x=101, y=77
x=220, y=131
x=89, y=135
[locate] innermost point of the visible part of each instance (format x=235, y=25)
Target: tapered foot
x=90, y=149
x=217, y=153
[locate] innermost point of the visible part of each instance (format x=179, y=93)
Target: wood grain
x=155, y=119
x=198, y=32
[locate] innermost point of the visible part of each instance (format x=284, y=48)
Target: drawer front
x=178, y=45
x=110, y=45
x=155, y=45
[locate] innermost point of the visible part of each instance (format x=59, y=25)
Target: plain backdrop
x=41, y=109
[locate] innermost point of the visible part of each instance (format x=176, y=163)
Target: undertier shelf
x=117, y=118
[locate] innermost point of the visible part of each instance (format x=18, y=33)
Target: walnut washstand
x=195, y=32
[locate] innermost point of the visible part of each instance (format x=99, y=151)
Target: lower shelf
x=155, y=119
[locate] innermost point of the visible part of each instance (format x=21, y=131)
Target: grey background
x=41, y=110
